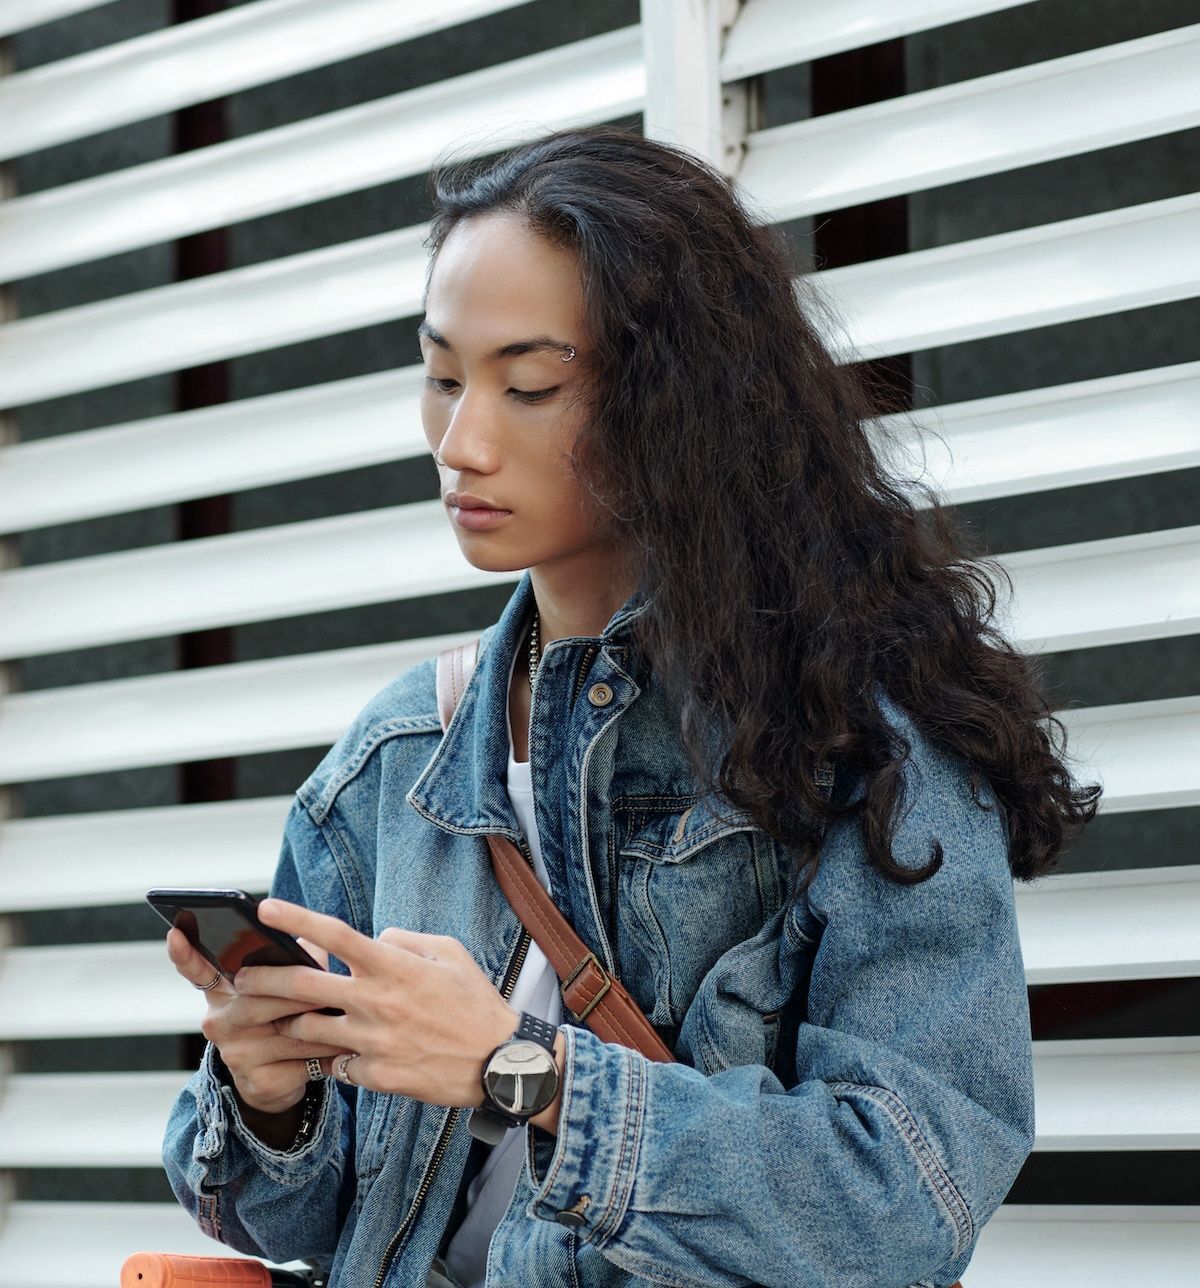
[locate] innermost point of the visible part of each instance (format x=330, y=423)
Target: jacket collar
x=464, y=787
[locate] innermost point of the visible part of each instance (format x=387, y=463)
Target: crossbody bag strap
x=589, y=992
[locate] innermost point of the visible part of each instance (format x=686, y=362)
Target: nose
x=471, y=438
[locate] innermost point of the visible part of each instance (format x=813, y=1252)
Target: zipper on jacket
x=515, y=962
x=583, y=670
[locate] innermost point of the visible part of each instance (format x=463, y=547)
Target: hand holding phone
x=270, y=1072
x=223, y=926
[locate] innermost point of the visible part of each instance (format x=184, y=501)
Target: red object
x=163, y=1270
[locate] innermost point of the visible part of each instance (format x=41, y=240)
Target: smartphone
x=223, y=925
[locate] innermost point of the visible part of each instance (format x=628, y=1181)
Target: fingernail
x=238, y=981
x=268, y=906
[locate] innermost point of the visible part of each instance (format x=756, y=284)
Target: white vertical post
x=686, y=104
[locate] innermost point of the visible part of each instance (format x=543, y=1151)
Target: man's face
x=503, y=425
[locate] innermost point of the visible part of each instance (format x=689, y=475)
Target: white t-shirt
x=536, y=991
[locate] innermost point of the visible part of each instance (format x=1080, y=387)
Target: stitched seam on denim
x=715, y=831
x=268, y=1158
x=344, y=864
x=637, y=1263
x=662, y=969
x=564, y=1112
x=571, y=1244
x=353, y=763
x=944, y=1187
x=653, y=802
x=622, y=1187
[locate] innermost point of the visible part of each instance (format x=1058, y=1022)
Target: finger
x=330, y=933
x=311, y=1027
x=319, y=955
x=190, y=963
x=413, y=941
x=258, y=1012
x=297, y=983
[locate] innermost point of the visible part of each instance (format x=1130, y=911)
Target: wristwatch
x=520, y=1078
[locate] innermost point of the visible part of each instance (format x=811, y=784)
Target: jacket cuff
x=584, y=1180
x=221, y=1115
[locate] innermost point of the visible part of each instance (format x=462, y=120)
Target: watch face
x=521, y=1077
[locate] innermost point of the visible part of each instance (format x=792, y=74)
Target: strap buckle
x=571, y=978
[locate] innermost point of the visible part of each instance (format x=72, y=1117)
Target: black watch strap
x=536, y=1030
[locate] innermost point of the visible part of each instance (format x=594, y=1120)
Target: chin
x=487, y=561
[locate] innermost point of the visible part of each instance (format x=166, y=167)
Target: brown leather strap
x=589, y=992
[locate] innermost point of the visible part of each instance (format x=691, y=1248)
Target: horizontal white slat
x=83, y=1245
x=95, y=990
x=193, y=62
x=1138, y=422
x=85, y=1120
x=1135, y=1099
x=1091, y=593
x=777, y=33
x=324, y=156
x=367, y=557
x=1078, y=1246
x=1111, y=591
x=20, y=15
x=1062, y=107
x=275, y=704
x=115, y=856
x=1033, y=1245
x=1142, y=923
x=66, y=991
x=1109, y=1099
x=299, y=297
x=1077, y=268
x=1146, y=754
x=1061, y=272
x=273, y=438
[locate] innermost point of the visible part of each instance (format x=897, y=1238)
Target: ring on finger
x=212, y=983
x=315, y=1072
x=341, y=1072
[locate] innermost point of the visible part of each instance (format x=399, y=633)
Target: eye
x=533, y=395
x=438, y=381
x=445, y=385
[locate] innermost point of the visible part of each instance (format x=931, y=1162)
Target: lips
x=464, y=502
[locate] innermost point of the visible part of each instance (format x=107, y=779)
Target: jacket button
x=600, y=695
x=574, y=1215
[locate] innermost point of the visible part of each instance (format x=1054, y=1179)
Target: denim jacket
x=852, y=1096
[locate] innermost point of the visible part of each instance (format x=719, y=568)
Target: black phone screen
x=223, y=926
x=232, y=940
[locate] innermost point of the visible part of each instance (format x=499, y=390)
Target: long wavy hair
x=790, y=577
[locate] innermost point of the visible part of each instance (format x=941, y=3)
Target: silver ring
x=340, y=1072
x=315, y=1072
x=567, y=354
x=216, y=979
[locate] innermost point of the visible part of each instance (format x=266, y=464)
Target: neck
x=584, y=607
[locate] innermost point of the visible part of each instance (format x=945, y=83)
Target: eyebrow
x=537, y=344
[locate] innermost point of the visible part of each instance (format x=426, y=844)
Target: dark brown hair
x=790, y=577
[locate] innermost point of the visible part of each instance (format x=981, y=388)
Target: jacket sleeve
x=912, y=1109
x=277, y=1204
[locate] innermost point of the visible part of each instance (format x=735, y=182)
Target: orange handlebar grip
x=164, y=1270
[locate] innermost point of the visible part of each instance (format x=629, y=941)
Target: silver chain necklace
x=535, y=651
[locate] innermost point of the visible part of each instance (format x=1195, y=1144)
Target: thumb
x=319, y=955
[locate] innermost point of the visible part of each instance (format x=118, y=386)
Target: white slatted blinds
x=210, y=456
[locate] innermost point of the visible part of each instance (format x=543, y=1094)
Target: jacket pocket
x=694, y=877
